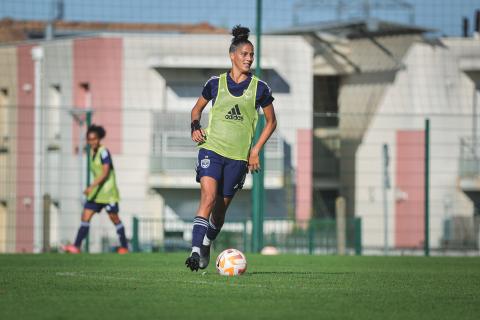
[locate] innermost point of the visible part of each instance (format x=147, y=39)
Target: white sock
x=206, y=241
x=196, y=249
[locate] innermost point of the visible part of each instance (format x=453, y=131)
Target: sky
x=445, y=16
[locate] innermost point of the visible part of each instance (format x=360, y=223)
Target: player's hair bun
x=240, y=33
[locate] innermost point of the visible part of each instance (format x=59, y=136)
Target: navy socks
x=82, y=233
x=200, y=226
x=121, y=235
x=85, y=227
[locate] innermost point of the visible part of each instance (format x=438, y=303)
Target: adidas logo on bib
x=234, y=114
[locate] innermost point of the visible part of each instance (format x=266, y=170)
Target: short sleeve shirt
x=105, y=157
x=264, y=93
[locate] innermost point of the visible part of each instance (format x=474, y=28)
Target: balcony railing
x=469, y=164
x=172, y=149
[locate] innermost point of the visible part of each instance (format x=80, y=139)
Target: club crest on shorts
x=205, y=163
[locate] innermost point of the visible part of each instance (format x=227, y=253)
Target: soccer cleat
x=122, y=250
x=193, y=262
x=204, y=256
x=71, y=249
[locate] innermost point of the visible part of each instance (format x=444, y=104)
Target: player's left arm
x=270, y=125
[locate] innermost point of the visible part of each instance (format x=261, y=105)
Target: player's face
x=93, y=140
x=242, y=58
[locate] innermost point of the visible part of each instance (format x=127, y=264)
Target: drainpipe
x=37, y=57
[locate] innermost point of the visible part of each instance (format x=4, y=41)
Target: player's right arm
x=198, y=134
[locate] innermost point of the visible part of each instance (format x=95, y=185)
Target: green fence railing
x=314, y=236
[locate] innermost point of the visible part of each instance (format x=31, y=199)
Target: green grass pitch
x=158, y=286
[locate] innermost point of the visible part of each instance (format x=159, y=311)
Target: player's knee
x=208, y=200
x=86, y=217
x=114, y=218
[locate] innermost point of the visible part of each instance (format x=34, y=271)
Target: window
x=86, y=95
x=53, y=115
x=4, y=120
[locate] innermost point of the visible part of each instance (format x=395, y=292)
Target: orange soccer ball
x=231, y=262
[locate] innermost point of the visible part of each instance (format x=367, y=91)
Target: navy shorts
x=97, y=207
x=230, y=174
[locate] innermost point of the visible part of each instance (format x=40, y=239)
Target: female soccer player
x=102, y=193
x=226, y=152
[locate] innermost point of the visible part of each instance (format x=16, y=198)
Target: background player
x=102, y=193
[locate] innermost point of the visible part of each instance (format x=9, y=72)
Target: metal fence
x=314, y=236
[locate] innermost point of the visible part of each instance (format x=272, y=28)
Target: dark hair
x=240, y=36
x=98, y=130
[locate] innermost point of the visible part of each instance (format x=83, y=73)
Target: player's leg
x=82, y=233
x=209, y=173
x=215, y=224
x=235, y=172
x=200, y=222
x=112, y=210
x=217, y=218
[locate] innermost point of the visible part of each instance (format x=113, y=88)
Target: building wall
x=431, y=85
x=143, y=93
x=63, y=178
x=25, y=147
x=98, y=63
x=304, y=175
x=8, y=169
x=410, y=180
x=361, y=94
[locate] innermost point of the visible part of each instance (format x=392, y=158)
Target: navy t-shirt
x=264, y=93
